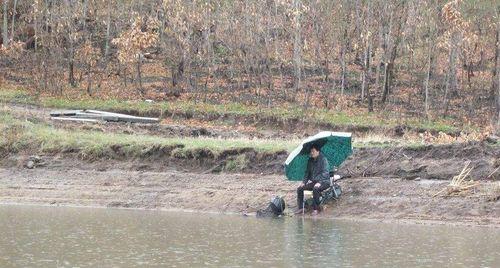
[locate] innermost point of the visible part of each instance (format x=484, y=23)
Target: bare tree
x=297, y=43
x=430, y=33
x=12, y=23
x=495, y=76
x=108, y=29
x=397, y=20
x=367, y=36
x=5, y=30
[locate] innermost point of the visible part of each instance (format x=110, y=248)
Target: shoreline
x=62, y=182
x=307, y=217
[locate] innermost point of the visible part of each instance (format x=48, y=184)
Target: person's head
x=314, y=153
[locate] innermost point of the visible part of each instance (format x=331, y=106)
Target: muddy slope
x=428, y=162
x=157, y=158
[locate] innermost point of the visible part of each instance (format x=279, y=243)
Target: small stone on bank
x=30, y=164
x=34, y=161
x=492, y=139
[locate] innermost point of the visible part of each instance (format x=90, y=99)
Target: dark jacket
x=317, y=169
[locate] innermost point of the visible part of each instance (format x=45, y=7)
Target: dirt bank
x=432, y=162
x=65, y=179
x=428, y=162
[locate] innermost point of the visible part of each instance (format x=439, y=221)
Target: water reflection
x=49, y=237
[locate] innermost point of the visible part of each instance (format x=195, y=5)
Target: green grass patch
x=321, y=116
x=437, y=125
x=22, y=134
x=239, y=163
x=16, y=96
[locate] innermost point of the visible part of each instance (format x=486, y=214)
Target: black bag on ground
x=278, y=205
x=275, y=208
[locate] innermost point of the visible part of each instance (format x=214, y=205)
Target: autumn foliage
x=423, y=59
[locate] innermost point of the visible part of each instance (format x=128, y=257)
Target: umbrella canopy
x=335, y=146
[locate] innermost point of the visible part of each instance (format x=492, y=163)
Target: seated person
x=317, y=179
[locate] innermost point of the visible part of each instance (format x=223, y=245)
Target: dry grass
x=493, y=193
x=11, y=135
x=459, y=185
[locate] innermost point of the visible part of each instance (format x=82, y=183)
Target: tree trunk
x=5, y=31
x=368, y=77
x=387, y=60
x=297, y=45
x=498, y=101
x=389, y=72
x=89, y=80
x=163, y=23
x=210, y=66
x=366, y=61
x=124, y=74
x=139, y=76
x=177, y=73
x=495, y=77
x=430, y=63
x=364, y=74
x=71, y=50
x=494, y=70
x=268, y=60
x=427, y=81
x=387, y=80
x=71, y=76
x=35, y=18
x=84, y=17
x=276, y=53
x=453, y=71
x=450, y=78
x=389, y=65
x=14, y=13
x=108, y=31
x=446, y=89
x=381, y=59
x=343, y=67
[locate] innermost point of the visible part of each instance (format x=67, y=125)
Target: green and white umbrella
x=335, y=146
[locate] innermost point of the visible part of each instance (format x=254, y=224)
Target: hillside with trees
x=419, y=59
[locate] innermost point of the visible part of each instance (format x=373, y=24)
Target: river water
x=32, y=236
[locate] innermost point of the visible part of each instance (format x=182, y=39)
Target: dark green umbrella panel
x=335, y=146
